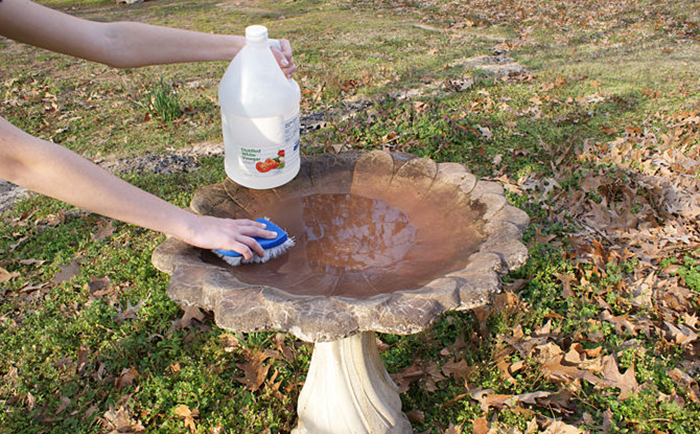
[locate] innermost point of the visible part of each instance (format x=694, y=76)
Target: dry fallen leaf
x=254, y=368
x=32, y=262
x=558, y=427
x=690, y=320
x=105, y=229
x=454, y=429
x=190, y=313
x=485, y=132
x=82, y=362
x=620, y=322
x=120, y=421
x=89, y=412
x=67, y=272
x=12, y=247
x=130, y=312
x=29, y=287
x=30, y=400
x=487, y=399
x=532, y=427
x=497, y=160
x=458, y=84
x=6, y=276
x=528, y=398
x=545, y=330
x=65, y=402
x=573, y=357
x=284, y=349
x=556, y=367
x=612, y=377
x=99, y=287
x=274, y=386
x=51, y=219
x=607, y=420
x=480, y=426
x=230, y=342
x=679, y=334
x=686, y=381
x=126, y=378
x=408, y=376
x=415, y=416
x=187, y=415
x=458, y=370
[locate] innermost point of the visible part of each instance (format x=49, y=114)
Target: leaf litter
x=646, y=210
x=637, y=206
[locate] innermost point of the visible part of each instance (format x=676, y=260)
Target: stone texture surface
x=199, y=278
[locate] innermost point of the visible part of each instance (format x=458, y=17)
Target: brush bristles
x=231, y=260
x=269, y=254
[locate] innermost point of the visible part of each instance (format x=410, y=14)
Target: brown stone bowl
x=384, y=242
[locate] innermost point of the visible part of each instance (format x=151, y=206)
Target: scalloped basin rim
x=385, y=242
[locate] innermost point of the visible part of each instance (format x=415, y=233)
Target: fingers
x=248, y=246
x=284, y=57
x=228, y=234
x=244, y=250
x=254, y=229
x=243, y=232
x=286, y=48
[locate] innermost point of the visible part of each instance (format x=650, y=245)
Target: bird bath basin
x=384, y=243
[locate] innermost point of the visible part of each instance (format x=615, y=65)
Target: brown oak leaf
x=187, y=415
x=612, y=377
x=254, y=368
x=126, y=378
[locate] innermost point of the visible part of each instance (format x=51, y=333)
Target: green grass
x=688, y=269
x=593, y=70
x=163, y=102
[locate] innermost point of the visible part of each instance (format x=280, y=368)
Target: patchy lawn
x=588, y=112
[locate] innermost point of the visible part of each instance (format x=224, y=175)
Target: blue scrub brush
x=273, y=247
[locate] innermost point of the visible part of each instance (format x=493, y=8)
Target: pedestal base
x=348, y=390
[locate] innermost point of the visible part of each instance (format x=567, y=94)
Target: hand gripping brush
x=273, y=247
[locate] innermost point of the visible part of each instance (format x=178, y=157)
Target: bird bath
x=384, y=243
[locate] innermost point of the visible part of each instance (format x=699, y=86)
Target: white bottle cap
x=256, y=33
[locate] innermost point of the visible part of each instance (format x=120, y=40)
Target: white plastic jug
x=260, y=116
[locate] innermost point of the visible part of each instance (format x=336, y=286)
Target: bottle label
x=262, y=147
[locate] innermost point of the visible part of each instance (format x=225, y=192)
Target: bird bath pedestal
x=384, y=243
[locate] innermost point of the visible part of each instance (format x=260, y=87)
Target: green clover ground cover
x=597, y=330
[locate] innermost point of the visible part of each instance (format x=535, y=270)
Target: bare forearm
x=135, y=44
x=57, y=172
x=52, y=170
x=131, y=45
x=120, y=44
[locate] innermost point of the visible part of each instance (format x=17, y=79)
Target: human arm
x=52, y=170
x=120, y=44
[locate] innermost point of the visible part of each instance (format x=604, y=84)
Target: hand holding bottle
x=282, y=50
x=260, y=114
